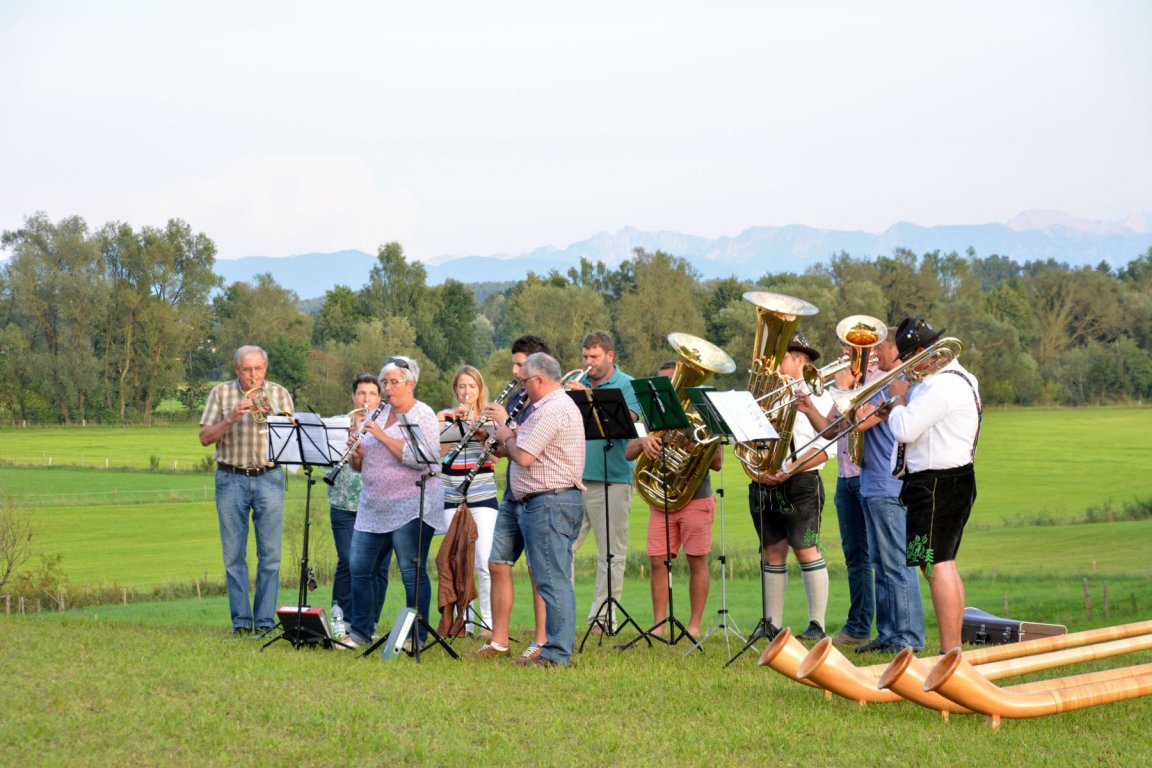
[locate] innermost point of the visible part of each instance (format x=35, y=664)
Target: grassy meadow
x=160, y=681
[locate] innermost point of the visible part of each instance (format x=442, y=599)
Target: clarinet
x=452, y=454
x=330, y=478
x=489, y=446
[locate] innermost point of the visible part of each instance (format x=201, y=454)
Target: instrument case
x=983, y=628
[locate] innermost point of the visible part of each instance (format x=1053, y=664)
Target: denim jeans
x=899, y=612
x=343, y=524
x=370, y=554
x=857, y=559
x=343, y=521
x=369, y=558
x=550, y=523
x=237, y=496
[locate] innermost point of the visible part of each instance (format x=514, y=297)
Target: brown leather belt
x=246, y=471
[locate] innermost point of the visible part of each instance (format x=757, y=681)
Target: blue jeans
x=238, y=496
x=857, y=559
x=550, y=523
x=371, y=553
x=899, y=612
x=343, y=524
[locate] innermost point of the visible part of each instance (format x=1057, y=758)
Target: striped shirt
x=554, y=434
x=245, y=444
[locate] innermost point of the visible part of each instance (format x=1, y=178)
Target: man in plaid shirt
x=247, y=483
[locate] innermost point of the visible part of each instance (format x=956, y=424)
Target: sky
x=482, y=128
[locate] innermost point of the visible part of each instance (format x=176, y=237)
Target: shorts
x=690, y=527
x=939, y=502
x=791, y=510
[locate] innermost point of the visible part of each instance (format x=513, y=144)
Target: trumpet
x=354, y=443
x=480, y=422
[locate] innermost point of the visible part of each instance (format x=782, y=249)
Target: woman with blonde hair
x=471, y=396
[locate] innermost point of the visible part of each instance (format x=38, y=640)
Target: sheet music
x=743, y=415
x=324, y=440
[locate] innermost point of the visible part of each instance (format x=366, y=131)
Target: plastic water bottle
x=339, y=630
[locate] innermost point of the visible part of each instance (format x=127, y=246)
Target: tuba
x=687, y=453
x=777, y=316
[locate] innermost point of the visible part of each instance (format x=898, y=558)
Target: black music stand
x=302, y=440
x=738, y=415
x=716, y=426
x=662, y=411
x=430, y=460
x=606, y=417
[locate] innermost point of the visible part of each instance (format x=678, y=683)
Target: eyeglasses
x=399, y=362
x=524, y=382
x=393, y=382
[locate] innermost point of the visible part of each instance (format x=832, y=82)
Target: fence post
x=1087, y=598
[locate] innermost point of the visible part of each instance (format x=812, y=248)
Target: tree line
x=109, y=324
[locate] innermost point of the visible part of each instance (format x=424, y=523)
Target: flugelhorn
x=261, y=404
x=476, y=427
x=575, y=375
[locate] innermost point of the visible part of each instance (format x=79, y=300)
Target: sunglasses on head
x=398, y=362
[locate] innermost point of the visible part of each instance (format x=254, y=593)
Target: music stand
x=606, y=417
x=662, y=411
x=428, y=459
x=302, y=440
x=716, y=426
x=740, y=416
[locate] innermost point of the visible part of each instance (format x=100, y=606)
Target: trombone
x=916, y=368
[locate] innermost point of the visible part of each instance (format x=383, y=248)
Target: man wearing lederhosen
x=937, y=424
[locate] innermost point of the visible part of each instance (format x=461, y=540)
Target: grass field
x=152, y=683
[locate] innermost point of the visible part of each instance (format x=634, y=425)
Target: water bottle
x=339, y=630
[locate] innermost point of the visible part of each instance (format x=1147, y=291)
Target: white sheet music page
x=743, y=415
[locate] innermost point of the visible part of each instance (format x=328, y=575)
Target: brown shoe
x=534, y=661
x=488, y=651
x=840, y=638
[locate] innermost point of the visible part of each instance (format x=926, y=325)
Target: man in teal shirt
x=608, y=523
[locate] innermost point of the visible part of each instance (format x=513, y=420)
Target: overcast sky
x=461, y=128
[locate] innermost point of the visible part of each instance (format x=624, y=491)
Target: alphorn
x=786, y=654
x=906, y=675
x=961, y=682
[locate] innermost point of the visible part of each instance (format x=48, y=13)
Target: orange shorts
x=690, y=526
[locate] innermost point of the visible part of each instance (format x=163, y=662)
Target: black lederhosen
x=939, y=502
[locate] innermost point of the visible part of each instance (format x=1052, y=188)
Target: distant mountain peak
x=1048, y=220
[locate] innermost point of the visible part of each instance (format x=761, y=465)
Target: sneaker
x=877, y=646
x=813, y=633
x=841, y=638
x=488, y=651
x=531, y=652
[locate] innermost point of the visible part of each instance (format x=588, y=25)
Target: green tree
x=58, y=293
x=267, y=315
x=338, y=317
x=558, y=312
x=662, y=299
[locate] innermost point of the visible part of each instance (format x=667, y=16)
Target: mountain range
x=1031, y=236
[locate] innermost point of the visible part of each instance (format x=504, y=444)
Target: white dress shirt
x=940, y=422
